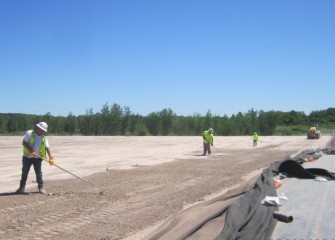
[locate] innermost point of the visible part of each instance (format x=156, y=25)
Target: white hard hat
x=210, y=130
x=43, y=126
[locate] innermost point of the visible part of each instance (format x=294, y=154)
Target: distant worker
x=255, y=139
x=208, y=139
x=35, y=147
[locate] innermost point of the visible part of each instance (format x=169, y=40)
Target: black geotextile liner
x=295, y=169
x=237, y=214
x=247, y=219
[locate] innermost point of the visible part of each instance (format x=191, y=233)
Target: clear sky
x=188, y=55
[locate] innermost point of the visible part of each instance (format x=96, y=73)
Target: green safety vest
x=42, y=151
x=255, y=137
x=209, y=137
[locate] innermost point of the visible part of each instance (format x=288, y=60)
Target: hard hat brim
x=41, y=128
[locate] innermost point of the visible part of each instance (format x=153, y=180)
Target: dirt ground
x=146, y=180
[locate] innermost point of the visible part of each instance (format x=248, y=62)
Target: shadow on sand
x=14, y=193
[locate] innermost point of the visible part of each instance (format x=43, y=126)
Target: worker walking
x=255, y=139
x=35, y=147
x=208, y=140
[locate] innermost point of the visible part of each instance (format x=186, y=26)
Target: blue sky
x=188, y=55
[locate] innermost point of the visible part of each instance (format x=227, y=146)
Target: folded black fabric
x=295, y=169
x=248, y=219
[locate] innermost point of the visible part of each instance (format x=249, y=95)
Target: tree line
x=115, y=120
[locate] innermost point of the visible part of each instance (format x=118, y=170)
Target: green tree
x=116, y=119
x=3, y=124
x=208, y=121
x=126, y=122
x=12, y=123
x=152, y=122
x=70, y=124
x=166, y=120
x=197, y=124
x=141, y=129
x=105, y=120
x=267, y=122
x=87, y=123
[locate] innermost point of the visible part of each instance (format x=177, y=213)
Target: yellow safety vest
x=32, y=139
x=209, y=137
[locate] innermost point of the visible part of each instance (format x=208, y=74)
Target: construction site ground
x=145, y=180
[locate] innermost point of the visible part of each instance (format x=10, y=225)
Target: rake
x=83, y=179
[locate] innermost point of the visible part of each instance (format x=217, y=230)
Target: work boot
x=20, y=190
x=42, y=190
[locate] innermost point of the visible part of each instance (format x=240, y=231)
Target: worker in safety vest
x=35, y=147
x=255, y=139
x=208, y=140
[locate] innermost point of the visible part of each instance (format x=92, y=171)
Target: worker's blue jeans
x=26, y=164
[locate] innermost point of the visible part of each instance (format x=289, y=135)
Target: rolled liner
x=282, y=217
